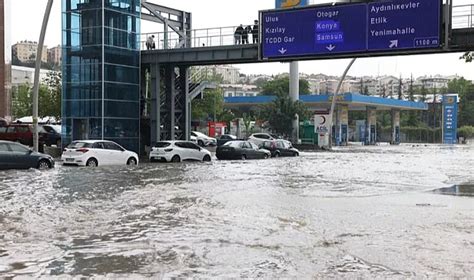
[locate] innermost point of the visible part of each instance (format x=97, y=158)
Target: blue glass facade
x=101, y=71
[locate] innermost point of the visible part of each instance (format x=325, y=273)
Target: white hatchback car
x=176, y=151
x=97, y=152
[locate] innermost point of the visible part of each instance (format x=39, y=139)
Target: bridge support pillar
x=295, y=96
x=155, y=113
x=170, y=104
x=371, y=126
x=395, y=127
x=342, y=125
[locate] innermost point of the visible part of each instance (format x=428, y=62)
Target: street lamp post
x=37, y=72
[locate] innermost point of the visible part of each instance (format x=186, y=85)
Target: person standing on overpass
x=238, y=34
x=255, y=32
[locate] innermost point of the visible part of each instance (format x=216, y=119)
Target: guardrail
x=208, y=37
x=463, y=17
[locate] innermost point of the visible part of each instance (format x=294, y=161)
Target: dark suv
x=280, y=148
x=22, y=133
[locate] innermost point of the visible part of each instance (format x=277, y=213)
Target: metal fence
x=463, y=17
x=208, y=37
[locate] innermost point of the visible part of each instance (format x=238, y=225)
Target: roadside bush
x=466, y=132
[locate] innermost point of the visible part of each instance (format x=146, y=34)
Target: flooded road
x=368, y=212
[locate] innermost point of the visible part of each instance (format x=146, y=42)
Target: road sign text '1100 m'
x=351, y=28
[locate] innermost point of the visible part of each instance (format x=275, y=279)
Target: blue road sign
x=352, y=28
x=340, y=29
x=404, y=24
x=450, y=119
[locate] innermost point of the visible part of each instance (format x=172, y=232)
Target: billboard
x=450, y=119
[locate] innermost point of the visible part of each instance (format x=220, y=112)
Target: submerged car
x=94, y=153
x=16, y=156
x=177, y=151
x=241, y=150
x=280, y=148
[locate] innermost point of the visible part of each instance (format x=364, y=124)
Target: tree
x=281, y=112
x=411, y=92
x=210, y=106
x=49, y=98
x=52, y=95
x=281, y=87
x=21, y=101
x=400, y=88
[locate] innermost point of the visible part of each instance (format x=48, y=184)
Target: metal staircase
x=175, y=104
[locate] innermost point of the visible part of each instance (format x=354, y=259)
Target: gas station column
x=342, y=125
x=395, y=127
x=371, y=126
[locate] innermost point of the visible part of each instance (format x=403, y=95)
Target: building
x=25, y=51
x=5, y=60
x=25, y=75
x=54, y=56
x=231, y=90
x=101, y=74
x=228, y=73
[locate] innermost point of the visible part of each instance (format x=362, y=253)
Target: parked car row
x=23, y=133
x=92, y=153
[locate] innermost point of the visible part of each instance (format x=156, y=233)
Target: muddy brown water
x=359, y=212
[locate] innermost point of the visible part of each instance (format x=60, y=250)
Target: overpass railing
x=207, y=37
x=463, y=17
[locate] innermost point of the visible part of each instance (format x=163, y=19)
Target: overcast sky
x=27, y=16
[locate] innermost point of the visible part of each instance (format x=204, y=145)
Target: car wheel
x=244, y=157
x=58, y=143
x=176, y=158
x=92, y=162
x=265, y=156
x=277, y=154
x=201, y=143
x=207, y=158
x=131, y=161
x=296, y=154
x=44, y=164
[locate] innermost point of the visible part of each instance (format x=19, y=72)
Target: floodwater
x=358, y=212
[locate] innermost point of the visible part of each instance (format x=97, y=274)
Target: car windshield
x=162, y=144
x=234, y=144
x=200, y=134
x=56, y=128
x=78, y=145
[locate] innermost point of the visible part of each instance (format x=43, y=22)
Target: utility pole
x=37, y=72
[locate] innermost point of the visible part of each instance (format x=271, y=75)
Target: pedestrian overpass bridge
x=174, y=83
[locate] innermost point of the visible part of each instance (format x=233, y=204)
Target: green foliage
x=21, y=101
x=281, y=87
x=465, y=89
x=49, y=98
x=211, y=105
x=466, y=131
x=281, y=113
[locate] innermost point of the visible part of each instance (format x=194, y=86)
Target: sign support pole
x=37, y=72
x=333, y=103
